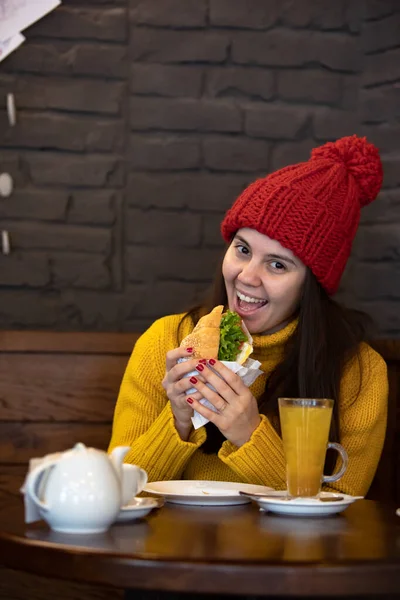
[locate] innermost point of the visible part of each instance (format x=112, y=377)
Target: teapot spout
x=117, y=458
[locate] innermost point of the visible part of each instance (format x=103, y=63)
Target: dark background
x=139, y=122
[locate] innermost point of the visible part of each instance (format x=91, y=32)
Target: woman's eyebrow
x=282, y=257
x=240, y=239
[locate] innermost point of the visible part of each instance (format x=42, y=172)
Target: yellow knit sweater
x=143, y=418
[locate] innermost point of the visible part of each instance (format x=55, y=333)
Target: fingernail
x=203, y=360
x=200, y=368
x=189, y=400
x=212, y=361
x=189, y=350
x=193, y=380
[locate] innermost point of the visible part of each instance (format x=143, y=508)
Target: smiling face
x=263, y=281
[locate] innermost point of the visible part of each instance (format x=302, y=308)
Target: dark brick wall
x=139, y=121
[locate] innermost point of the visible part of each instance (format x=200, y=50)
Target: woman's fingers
x=215, y=372
x=195, y=396
x=237, y=415
x=184, y=384
x=177, y=371
x=206, y=392
x=176, y=380
x=174, y=355
x=227, y=389
x=204, y=411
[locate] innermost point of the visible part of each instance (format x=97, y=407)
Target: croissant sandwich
x=220, y=335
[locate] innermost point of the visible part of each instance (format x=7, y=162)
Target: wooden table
x=232, y=550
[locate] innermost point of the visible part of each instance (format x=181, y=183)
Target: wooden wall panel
x=21, y=441
x=11, y=480
x=67, y=342
x=59, y=387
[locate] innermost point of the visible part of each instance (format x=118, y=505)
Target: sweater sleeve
x=261, y=460
x=143, y=418
x=363, y=413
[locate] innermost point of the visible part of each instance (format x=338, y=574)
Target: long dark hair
x=327, y=336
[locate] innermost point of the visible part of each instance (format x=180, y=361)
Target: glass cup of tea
x=305, y=425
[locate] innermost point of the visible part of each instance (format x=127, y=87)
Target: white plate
x=212, y=493
x=136, y=509
x=306, y=507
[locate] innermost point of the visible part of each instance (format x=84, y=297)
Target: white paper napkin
x=32, y=512
x=248, y=373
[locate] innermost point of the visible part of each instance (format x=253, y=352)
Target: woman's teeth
x=249, y=299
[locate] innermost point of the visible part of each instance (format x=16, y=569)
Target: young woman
x=289, y=237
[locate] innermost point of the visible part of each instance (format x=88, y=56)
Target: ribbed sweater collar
x=271, y=345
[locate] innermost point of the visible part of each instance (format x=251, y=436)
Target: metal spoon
x=286, y=499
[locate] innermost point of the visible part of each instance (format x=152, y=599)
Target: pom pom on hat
x=361, y=160
x=313, y=208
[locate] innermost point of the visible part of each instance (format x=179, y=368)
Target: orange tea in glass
x=305, y=424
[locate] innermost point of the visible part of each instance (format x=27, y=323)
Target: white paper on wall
x=17, y=15
x=7, y=46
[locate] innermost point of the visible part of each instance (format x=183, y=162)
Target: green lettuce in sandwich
x=232, y=337
x=220, y=335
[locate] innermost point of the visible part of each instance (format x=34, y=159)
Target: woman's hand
x=237, y=413
x=176, y=384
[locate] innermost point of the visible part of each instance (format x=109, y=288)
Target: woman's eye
x=242, y=249
x=278, y=266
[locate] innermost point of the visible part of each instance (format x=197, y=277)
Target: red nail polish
x=212, y=361
x=200, y=368
x=203, y=360
x=193, y=380
x=189, y=400
x=189, y=350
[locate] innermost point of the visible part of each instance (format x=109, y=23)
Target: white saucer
x=136, y=509
x=306, y=507
x=200, y=493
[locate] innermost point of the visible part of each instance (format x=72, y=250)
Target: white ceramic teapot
x=80, y=491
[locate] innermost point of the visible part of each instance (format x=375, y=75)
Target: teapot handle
x=142, y=479
x=31, y=483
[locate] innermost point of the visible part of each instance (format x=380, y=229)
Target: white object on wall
x=17, y=15
x=11, y=110
x=5, y=242
x=6, y=185
x=11, y=44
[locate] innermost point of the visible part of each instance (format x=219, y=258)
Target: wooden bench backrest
x=386, y=484
x=57, y=389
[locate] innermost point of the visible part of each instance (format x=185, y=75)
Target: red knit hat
x=313, y=208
